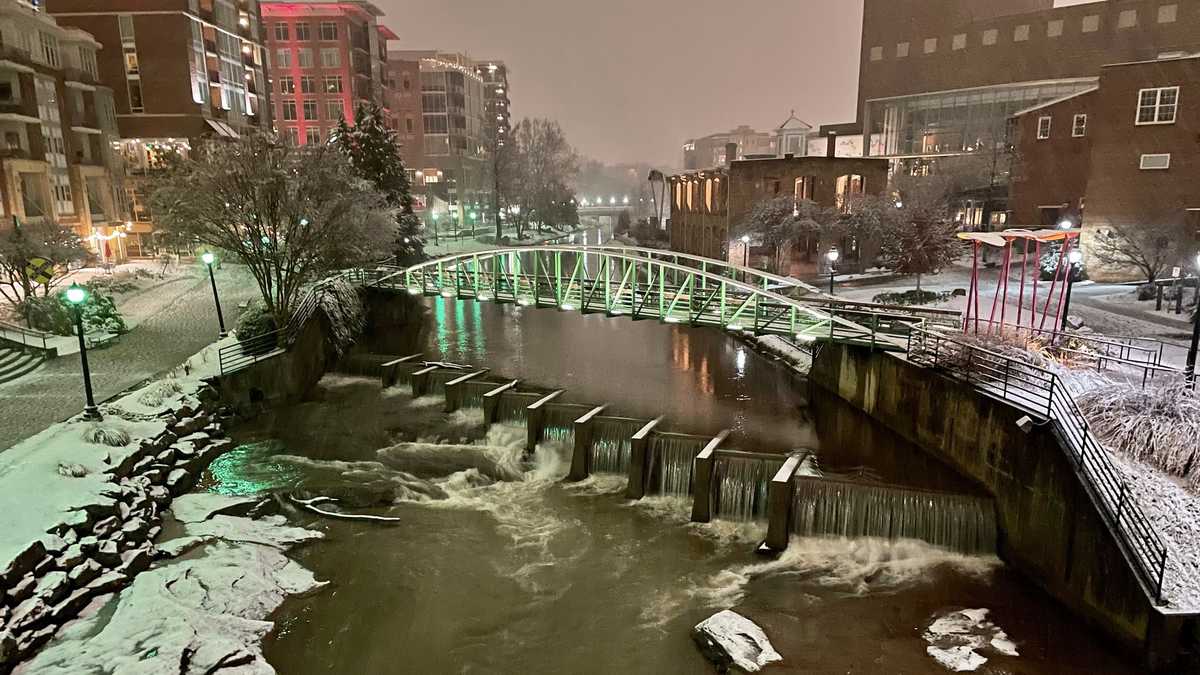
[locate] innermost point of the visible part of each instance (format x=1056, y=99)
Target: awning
x=1001, y=239
x=222, y=129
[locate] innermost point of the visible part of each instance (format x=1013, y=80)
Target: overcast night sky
x=631, y=80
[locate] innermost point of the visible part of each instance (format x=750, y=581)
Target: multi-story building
x=710, y=151
x=939, y=79
x=57, y=128
x=179, y=70
x=327, y=58
x=403, y=85
x=454, y=145
x=1121, y=155
x=495, y=98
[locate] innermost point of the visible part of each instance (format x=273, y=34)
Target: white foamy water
x=957, y=638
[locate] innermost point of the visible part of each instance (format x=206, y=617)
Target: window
x=1091, y=23
x=312, y=136
x=990, y=36
x=804, y=187
x=330, y=57
x=930, y=45
x=408, y=124
x=1127, y=18
x=1043, y=130
x=1168, y=13
x=283, y=58
x=289, y=111
x=287, y=85
x=1079, y=126
x=49, y=45
x=901, y=49
x=125, y=21
x=847, y=187
x=333, y=84
x=135, y=96
x=131, y=63
x=328, y=30
x=1159, y=162
x=876, y=53
x=306, y=85
x=305, y=58
x=281, y=31
x=960, y=41
x=1021, y=33
x=1054, y=28
x=293, y=135
x=310, y=109
x=1157, y=106
x=333, y=110
x=303, y=32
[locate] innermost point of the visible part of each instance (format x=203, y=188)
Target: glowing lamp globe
x=76, y=294
x=208, y=258
x=745, y=239
x=833, y=255
x=1075, y=257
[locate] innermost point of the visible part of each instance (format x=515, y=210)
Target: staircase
x=16, y=362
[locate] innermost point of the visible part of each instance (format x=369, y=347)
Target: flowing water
x=497, y=566
x=740, y=485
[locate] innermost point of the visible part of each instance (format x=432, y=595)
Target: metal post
x=217, y=299
x=90, y=411
x=1191, y=357
x=1067, y=303
x=832, y=274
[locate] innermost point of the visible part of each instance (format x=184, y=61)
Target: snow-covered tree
x=921, y=238
x=291, y=214
x=374, y=153
x=23, y=242
x=780, y=222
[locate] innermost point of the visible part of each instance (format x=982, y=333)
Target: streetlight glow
x=76, y=294
x=1075, y=257
x=745, y=239
x=1064, y=224
x=833, y=255
x=208, y=258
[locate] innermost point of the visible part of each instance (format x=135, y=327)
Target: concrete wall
x=1050, y=529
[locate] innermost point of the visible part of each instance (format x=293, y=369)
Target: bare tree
x=1150, y=250
x=921, y=238
x=44, y=239
x=781, y=222
x=533, y=169
x=290, y=214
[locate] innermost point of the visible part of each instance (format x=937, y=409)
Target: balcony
x=16, y=57
x=80, y=76
x=14, y=153
x=19, y=111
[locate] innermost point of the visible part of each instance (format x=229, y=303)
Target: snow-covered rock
x=957, y=638
x=201, y=506
x=728, y=638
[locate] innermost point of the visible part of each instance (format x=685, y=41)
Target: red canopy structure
x=1033, y=320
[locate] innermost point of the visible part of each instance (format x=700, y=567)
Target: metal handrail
x=1042, y=393
x=26, y=337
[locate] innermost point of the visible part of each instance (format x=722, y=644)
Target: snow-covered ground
x=451, y=246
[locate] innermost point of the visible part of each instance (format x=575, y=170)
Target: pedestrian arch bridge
x=645, y=283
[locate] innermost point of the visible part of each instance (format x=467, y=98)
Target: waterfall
x=560, y=423
x=740, y=486
x=962, y=523
x=672, y=461
x=439, y=378
x=511, y=409
x=471, y=393
x=610, y=444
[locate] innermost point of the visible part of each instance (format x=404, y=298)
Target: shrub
x=114, y=437
x=255, y=329
x=913, y=297
x=53, y=314
x=1048, y=265
x=155, y=394
x=1147, y=292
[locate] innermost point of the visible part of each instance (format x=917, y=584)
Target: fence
x=1041, y=392
x=26, y=337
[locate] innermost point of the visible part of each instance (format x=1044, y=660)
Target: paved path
x=158, y=344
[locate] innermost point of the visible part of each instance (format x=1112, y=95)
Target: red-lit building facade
x=326, y=59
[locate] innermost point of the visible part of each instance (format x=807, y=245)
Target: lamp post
x=1191, y=357
x=76, y=296
x=208, y=258
x=435, y=228
x=832, y=257
x=746, y=250
x=1074, y=258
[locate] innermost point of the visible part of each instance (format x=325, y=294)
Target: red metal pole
x=1066, y=287
x=996, y=297
x=1054, y=284
x=1007, y=274
x=1037, y=277
x=1021, y=295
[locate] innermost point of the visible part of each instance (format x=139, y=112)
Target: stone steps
x=15, y=363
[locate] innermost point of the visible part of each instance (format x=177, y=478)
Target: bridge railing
x=1042, y=393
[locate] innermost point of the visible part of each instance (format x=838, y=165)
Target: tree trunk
x=918, y=283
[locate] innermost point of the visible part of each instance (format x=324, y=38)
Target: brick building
x=57, y=126
x=1123, y=154
x=327, y=58
x=403, y=87
x=706, y=205
x=710, y=151
x=179, y=70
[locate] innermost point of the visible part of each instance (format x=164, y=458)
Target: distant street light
x=1191, y=357
x=76, y=296
x=209, y=259
x=1074, y=258
x=832, y=257
x=746, y=249
x=1064, y=224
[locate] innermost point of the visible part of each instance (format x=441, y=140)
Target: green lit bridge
x=664, y=285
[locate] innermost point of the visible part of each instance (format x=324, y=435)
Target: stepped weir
x=786, y=491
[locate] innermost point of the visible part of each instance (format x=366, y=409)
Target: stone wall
x=1050, y=528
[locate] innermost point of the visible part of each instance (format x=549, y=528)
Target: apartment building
x=496, y=102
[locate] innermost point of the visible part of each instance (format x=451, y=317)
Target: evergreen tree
x=374, y=153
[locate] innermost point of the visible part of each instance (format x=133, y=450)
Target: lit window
x=1127, y=19
x=1168, y=13
x=287, y=85
x=333, y=84
x=1021, y=33
x=1054, y=28
x=1091, y=23
x=1079, y=126
x=1043, y=129
x=930, y=45
x=990, y=36
x=283, y=58
x=901, y=49
x=960, y=41
x=876, y=53
x=1157, y=106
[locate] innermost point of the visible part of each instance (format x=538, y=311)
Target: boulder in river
x=730, y=639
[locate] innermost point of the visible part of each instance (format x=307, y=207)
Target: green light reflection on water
x=251, y=469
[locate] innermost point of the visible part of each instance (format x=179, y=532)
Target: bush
x=114, y=437
x=1147, y=292
x=255, y=329
x=908, y=298
x=121, y=282
x=54, y=314
x=155, y=394
x=1048, y=265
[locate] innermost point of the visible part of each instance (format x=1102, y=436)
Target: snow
x=450, y=246
x=201, y=506
x=956, y=639
x=196, y=615
x=738, y=638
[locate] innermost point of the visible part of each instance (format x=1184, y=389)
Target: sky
x=631, y=80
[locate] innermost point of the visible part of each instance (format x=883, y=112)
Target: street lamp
x=832, y=257
x=746, y=250
x=1191, y=357
x=76, y=296
x=1074, y=258
x=208, y=258
x=434, y=215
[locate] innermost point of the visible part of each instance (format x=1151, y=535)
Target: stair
x=15, y=363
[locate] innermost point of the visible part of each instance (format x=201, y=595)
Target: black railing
x=1041, y=392
x=25, y=337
